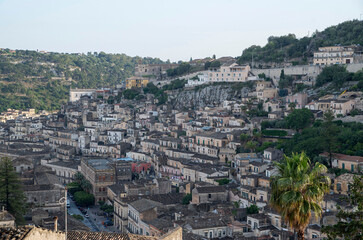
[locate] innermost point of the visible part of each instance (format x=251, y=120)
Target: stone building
x=101, y=174
x=209, y=194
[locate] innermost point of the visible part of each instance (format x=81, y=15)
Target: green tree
x=298, y=189
x=300, y=119
x=251, y=145
x=292, y=106
x=329, y=134
x=244, y=137
x=282, y=74
x=11, y=194
x=84, y=199
x=350, y=223
x=252, y=209
x=186, y=199
x=337, y=74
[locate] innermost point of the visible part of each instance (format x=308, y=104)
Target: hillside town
x=198, y=165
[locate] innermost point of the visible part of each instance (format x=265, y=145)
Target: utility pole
x=65, y=212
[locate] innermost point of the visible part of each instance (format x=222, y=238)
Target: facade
x=338, y=106
x=346, y=162
x=101, y=174
x=341, y=183
x=229, y=73
x=334, y=55
x=153, y=70
x=76, y=94
x=6, y=219
x=136, y=82
x=300, y=100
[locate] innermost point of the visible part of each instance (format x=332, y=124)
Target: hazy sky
x=167, y=29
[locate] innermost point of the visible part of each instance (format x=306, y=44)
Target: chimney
x=55, y=224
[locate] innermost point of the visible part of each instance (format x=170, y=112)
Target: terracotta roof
x=12, y=233
x=344, y=157
x=81, y=235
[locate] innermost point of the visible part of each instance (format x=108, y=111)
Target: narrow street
x=94, y=222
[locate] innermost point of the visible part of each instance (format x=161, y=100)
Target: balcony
x=132, y=218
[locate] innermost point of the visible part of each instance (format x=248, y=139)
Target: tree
x=300, y=119
x=251, y=145
x=11, y=194
x=329, y=134
x=186, y=199
x=282, y=74
x=84, y=199
x=252, y=209
x=292, y=106
x=350, y=223
x=298, y=189
x=244, y=137
x=337, y=74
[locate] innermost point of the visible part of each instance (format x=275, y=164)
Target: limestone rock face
x=207, y=96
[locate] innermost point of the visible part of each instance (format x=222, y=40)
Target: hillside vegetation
x=286, y=48
x=30, y=79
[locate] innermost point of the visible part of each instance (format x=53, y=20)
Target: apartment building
x=334, y=55
x=229, y=73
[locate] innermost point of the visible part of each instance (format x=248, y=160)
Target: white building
x=76, y=94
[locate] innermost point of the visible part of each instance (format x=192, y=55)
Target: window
x=343, y=165
x=209, y=195
x=339, y=186
x=205, y=234
x=352, y=167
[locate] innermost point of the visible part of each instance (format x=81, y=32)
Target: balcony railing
x=133, y=219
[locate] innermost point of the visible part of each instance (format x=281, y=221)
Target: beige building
x=341, y=183
x=334, y=55
x=153, y=70
x=6, y=219
x=229, y=73
x=346, y=162
x=136, y=82
x=338, y=106
x=101, y=174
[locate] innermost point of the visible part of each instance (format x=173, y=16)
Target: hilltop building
x=334, y=55
x=229, y=73
x=136, y=82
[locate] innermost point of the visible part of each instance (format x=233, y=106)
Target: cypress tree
x=11, y=194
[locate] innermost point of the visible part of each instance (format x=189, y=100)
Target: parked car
x=87, y=216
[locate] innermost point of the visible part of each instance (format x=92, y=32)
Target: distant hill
x=31, y=79
x=289, y=48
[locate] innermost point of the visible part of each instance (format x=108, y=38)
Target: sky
x=167, y=29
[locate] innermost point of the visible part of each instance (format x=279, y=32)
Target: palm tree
x=298, y=189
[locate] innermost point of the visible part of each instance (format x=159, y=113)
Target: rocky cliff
x=211, y=95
